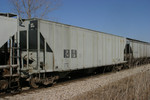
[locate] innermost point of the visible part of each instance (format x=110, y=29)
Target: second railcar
x=138, y=51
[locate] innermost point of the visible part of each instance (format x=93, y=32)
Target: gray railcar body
x=71, y=48
x=140, y=49
x=8, y=27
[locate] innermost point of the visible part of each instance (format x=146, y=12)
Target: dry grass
x=135, y=87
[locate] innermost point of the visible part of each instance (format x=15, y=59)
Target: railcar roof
x=8, y=14
x=74, y=26
x=137, y=40
x=88, y=29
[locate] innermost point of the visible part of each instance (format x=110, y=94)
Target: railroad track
x=61, y=82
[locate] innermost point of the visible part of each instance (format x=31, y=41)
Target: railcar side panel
x=80, y=54
x=140, y=49
x=8, y=28
x=73, y=48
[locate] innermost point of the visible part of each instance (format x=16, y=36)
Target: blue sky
x=128, y=18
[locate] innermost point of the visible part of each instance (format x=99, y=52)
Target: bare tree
x=34, y=8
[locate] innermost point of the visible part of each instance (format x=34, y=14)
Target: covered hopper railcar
x=138, y=52
x=49, y=48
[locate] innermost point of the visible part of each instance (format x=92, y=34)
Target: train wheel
x=48, y=82
x=117, y=68
x=34, y=82
x=3, y=84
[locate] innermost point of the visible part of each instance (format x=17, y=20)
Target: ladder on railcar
x=12, y=72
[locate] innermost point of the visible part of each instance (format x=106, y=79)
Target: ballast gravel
x=71, y=89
